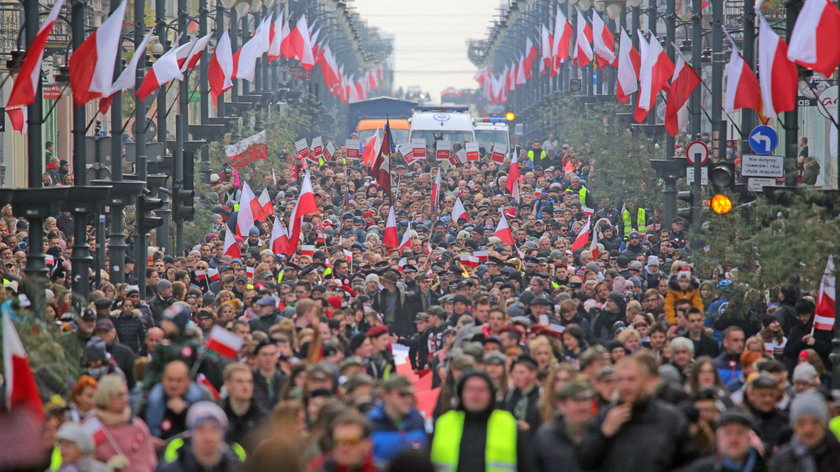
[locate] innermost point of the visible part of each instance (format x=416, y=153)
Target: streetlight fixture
x=242, y=8
x=268, y=3
x=614, y=8
x=585, y=4
x=228, y=4
x=634, y=3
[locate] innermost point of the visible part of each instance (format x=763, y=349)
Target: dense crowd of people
x=543, y=356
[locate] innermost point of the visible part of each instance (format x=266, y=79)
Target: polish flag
x=348, y=254
x=481, y=255
x=213, y=274
x=776, y=74
x=92, y=64
x=279, y=238
x=562, y=39
x=813, y=43
x=223, y=342
x=245, y=60
x=301, y=44
x=514, y=192
x=742, y=89
x=513, y=174
x=245, y=218
x=201, y=275
x=582, y=237
x=278, y=33
x=521, y=77
x=826, y=297
x=21, y=390
x=629, y=62
x=191, y=59
x=26, y=82
x=305, y=205
x=655, y=71
x=436, y=191
x=220, y=70
x=249, y=272
x=231, y=248
x=458, y=211
x=583, y=42
x=545, y=49
x=18, y=118
x=128, y=76
x=49, y=259
x=265, y=205
x=389, y=237
x=593, y=247
x=406, y=239
x=531, y=54
x=468, y=261
x=371, y=150
x=182, y=53
x=162, y=72
x=307, y=250
x=683, y=83
x=604, y=41
x=503, y=231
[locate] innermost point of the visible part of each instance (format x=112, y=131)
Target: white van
x=490, y=131
x=442, y=123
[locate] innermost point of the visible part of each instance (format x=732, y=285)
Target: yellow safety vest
x=582, y=195
x=641, y=222
x=499, y=453
x=173, y=450
x=543, y=155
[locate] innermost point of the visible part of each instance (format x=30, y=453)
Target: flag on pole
x=458, y=211
x=604, y=41
x=231, y=248
x=593, y=247
x=742, y=90
x=224, y=343
x=683, y=83
x=503, y=231
x=220, y=69
x=583, y=41
x=164, y=70
x=389, y=237
x=26, y=82
x=813, y=43
x=92, y=64
x=436, y=191
x=582, y=237
x=629, y=61
x=128, y=77
x=562, y=39
x=655, y=71
x=305, y=205
x=406, y=239
x=279, y=238
x=21, y=390
x=247, y=151
x=826, y=298
x=777, y=75
x=245, y=217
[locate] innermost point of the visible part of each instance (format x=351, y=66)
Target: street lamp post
x=669, y=209
x=791, y=125
x=748, y=53
x=181, y=123
x=696, y=53
x=116, y=239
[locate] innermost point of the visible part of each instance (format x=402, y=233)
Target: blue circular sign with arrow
x=763, y=139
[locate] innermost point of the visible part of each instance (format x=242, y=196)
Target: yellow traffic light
x=510, y=116
x=720, y=204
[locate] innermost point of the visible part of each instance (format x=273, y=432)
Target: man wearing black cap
x=121, y=354
x=554, y=448
x=73, y=342
x=162, y=300
x=733, y=446
x=267, y=316
x=395, y=306
x=424, y=297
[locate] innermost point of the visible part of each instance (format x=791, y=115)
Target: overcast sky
x=431, y=38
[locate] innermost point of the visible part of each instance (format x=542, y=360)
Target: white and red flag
x=26, y=82
x=503, y=231
x=18, y=118
x=279, y=238
x=278, y=33
x=390, y=237
x=245, y=60
x=188, y=57
x=213, y=274
x=300, y=42
x=629, y=62
x=683, y=83
x=223, y=342
x=513, y=174
x=777, y=75
x=458, y=211
x=545, y=49
x=307, y=250
x=582, y=237
x=583, y=41
x=826, y=298
x=21, y=389
x=603, y=41
x=248, y=150
x=406, y=239
x=128, y=76
x=305, y=205
x=231, y=247
x=164, y=70
x=92, y=64
x=264, y=204
x=436, y=191
x=814, y=42
x=220, y=69
x=656, y=69
x=742, y=89
x=561, y=40
x=593, y=246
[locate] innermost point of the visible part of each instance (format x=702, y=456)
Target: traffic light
x=685, y=213
x=183, y=208
x=146, y=218
x=720, y=204
x=510, y=116
x=722, y=175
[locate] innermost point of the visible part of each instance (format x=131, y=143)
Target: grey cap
x=809, y=404
x=76, y=433
x=163, y=284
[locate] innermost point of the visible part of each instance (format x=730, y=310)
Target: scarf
x=805, y=461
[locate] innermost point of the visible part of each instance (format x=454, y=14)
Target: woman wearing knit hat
x=76, y=446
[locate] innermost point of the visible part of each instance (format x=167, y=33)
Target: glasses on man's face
x=349, y=441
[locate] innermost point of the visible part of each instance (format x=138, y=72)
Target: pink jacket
x=130, y=438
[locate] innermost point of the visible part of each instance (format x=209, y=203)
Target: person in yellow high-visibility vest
x=634, y=219
x=586, y=199
x=536, y=155
x=475, y=437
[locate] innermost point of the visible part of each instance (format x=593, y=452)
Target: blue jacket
x=389, y=439
x=156, y=405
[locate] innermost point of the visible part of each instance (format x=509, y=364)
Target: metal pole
x=748, y=51
x=792, y=8
x=234, y=41
x=80, y=259
x=140, y=243
x=220, y=29
x=718, y=124
x=204, y=88
x=696, y=52
x=100, y=246
x=181, y=124
x=669, y=209
x=116, y=239
x=160, y=21
x=651, y=17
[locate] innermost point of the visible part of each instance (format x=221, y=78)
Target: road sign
x=762, y=166
x=756, y=184
x=704, y=175
x=763, y=139
x=694, y=148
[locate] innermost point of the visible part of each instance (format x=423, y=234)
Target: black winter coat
x=826, y=457
x=130, y=329
x=554, y=449
x=660, y=427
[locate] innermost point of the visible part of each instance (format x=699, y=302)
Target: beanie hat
x=804, y=372
x=254, y=231
x=179, y=313
x=205, y=411
x=811, y=404
x=95, y=349
x=76, y=433
x=767, y=320
x=355, y=342
x=163, y=284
